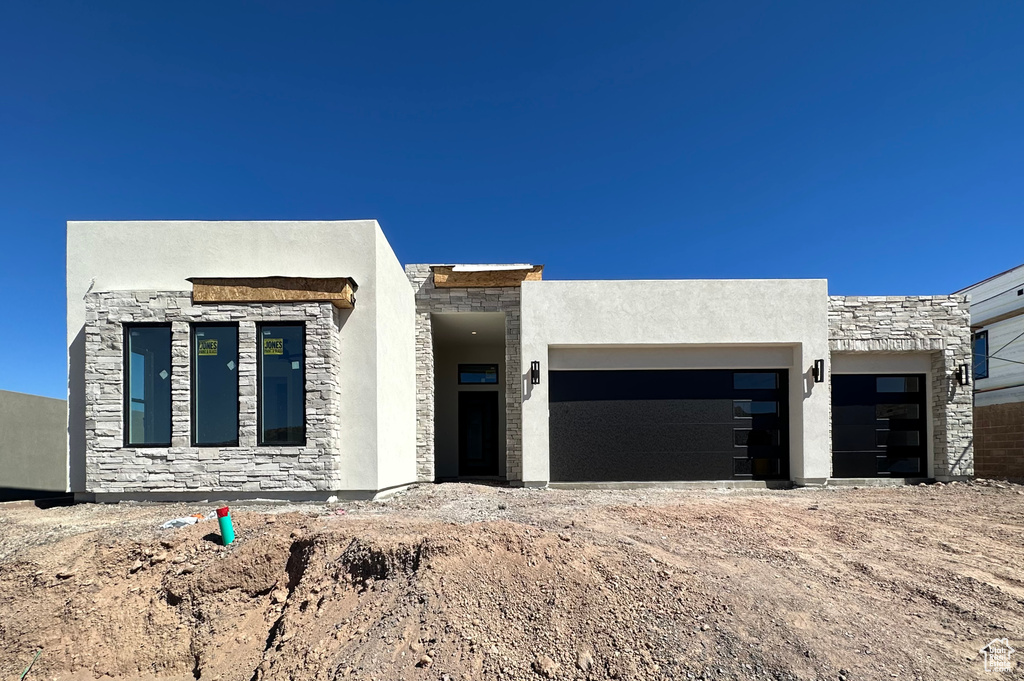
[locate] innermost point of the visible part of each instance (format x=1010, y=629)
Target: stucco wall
x=936, y=325
x=33, y=444
x=396, y=370
x=161, y=255
x=682, y=316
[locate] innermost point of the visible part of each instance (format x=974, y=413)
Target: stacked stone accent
x=432, y=300
x=115, y=469
x=940, y=325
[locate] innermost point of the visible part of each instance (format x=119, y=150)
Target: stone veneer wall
x=940, y=325
x=429, y=300
x=113, y=468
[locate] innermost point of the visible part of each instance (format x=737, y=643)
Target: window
x=896, y=384
x=897, y=411
x=478, y=373
x=759, y=381
x=747, y=409
x=980, y=343
x=282, y=384
x=215, y=385
x=147, y=379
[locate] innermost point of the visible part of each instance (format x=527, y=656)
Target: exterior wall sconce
x=535, y=373
x=963, y=374
x=818, y=370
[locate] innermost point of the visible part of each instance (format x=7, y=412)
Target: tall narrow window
x=980, y=342
x=215, y=385
x=147, y=378
x=282, y=384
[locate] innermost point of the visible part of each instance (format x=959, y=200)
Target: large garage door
x=878, y=426
x=645, y=425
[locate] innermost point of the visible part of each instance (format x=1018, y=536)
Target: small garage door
x=879, y=426
x=647, y=425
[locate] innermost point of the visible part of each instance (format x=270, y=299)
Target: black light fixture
x=818, y=370
x=535, y=373
x=963, y=374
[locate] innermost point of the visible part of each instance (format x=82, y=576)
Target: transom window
x=478, y=373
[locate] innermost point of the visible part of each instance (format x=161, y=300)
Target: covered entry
x=667, y=425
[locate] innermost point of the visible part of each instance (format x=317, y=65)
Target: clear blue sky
x=880, y=145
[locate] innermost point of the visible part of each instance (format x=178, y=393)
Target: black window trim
x=974, y=361
x=126, y=329
x=259, y=384
x=497, y=372
x=194, y=366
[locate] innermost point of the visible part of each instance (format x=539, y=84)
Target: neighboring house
x=997, y=323
x=33, y=446
x=294, y=359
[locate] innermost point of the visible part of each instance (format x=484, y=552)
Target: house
x=997, y=325
x=301, y=360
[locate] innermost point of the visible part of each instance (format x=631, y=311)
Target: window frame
x=974, y=361
x=194, y=368
x=259, y=384
x=126, y=376
x=497, y=373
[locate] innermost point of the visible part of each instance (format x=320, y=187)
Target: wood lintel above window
x=340, y=291
x=485, y=276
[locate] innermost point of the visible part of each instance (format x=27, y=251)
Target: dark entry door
x=665, y=425
x=879, y=426
x=478, y=433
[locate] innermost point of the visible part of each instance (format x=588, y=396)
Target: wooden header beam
x=446, y=277
x=340, y=291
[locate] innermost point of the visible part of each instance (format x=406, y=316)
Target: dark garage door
x=608, y=426
x=878, y=425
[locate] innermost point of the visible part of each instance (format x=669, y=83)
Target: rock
x=424, y=661
x=66, y=574
x=136, y=566
x=416, y=647
x=564, y=537
x=545, y=666
x=278, y=596
x=585, y=661
x=158, y=557
x=502, y=507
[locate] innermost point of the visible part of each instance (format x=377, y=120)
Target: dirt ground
x=453, y=582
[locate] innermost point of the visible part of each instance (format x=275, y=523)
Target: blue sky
x=876, y=144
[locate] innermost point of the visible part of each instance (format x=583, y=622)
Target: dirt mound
x=851, y=585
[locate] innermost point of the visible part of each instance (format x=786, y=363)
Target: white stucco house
x=301, y=360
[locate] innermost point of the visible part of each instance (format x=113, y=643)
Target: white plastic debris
x=183, y=522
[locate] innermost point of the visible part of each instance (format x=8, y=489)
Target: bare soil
x=473, y=582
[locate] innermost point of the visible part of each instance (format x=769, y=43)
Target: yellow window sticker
x=208, y=347
x=273, y=346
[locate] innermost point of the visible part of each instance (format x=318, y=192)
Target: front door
x=478, y=433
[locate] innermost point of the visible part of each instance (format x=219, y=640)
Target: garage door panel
x=606, y=426
x=879, y=425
